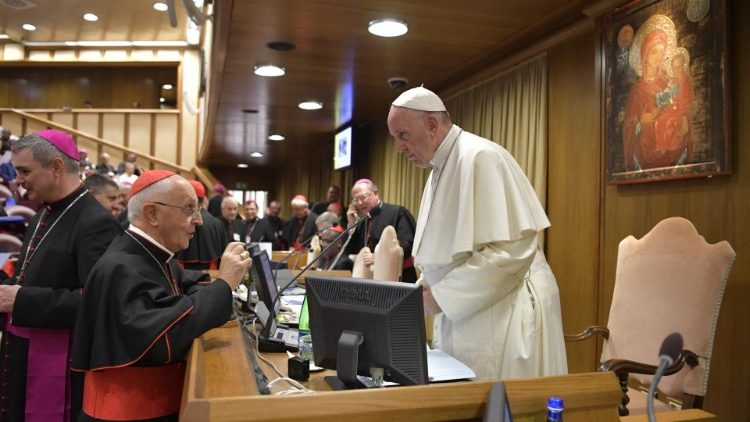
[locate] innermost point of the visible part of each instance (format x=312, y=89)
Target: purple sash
x=47, y=373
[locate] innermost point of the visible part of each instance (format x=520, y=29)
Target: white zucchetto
x=420, y=98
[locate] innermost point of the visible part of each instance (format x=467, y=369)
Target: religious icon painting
x=666, y=93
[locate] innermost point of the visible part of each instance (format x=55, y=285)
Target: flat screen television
x=360, y=324
x=342, y=148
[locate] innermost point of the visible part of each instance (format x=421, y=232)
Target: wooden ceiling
x=62, y=20
x=338, y=62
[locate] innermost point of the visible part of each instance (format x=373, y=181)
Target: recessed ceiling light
x=4, y=37
x=167, y=86
x=388, y=27
x=161, y=99
x=90, y=17
x=276, y=137
x=162, y=7
x=256, y=154
x=270, y=70
x=28, y=27
x=242, y=165
x=310, y=105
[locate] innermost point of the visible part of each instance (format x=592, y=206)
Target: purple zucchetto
x=61, y=140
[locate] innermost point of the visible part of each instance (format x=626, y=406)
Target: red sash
x=132, y=392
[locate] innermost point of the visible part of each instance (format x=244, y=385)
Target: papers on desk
x=444, y=367
x=291, y=307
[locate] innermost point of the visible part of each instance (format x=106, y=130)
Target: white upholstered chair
x=668, y=281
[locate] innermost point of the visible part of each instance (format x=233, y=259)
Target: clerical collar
x=445, y=147
x=63, y=203
x=151, y=240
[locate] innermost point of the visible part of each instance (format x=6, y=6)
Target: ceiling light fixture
x=242, y=165
x=162, y=7
x=90, y=17
x=256, y=154
x=388, y=27
x=269, y=70
x=28, y=27
x=161, y=99
x=276, y=137
x=310, y=105
x=4, y=37
x=167, y=86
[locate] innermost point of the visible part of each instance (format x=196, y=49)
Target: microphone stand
x=309, y=264
x=305, y=245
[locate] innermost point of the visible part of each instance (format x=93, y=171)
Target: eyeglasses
x=192, y=210
x=362, y=198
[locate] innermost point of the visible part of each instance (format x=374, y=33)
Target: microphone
x=668, y=353
x=305, y=245
x=373, y=213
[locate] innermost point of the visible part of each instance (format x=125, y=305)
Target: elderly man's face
x=229, y=210
x=251, y=211
x=364, y=198
x=412, y=134
x=178, y=219
x=300, y=211
x=110, y=199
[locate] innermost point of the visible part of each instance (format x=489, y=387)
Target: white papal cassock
x=476, y=245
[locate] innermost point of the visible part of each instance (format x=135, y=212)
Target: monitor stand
x=347, y=356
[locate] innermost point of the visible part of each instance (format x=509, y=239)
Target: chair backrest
x=9, y=243
x=389, y=257
x=670, y=280
x=359, y=269
x=22, y=210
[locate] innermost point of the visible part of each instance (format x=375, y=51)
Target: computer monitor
x=265, y=285
x=360, y=324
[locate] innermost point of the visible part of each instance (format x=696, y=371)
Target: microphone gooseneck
x=317, y=258
x=670, y=350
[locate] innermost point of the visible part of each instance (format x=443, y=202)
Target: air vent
x=18, y=4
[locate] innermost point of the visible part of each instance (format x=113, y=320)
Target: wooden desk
x=219, y=386
x=696, y=415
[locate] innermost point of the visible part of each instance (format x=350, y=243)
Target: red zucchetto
x=147, y=179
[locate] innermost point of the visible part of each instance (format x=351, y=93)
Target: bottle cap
x=555, y=402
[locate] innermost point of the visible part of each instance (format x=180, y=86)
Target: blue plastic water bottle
x=554, y=409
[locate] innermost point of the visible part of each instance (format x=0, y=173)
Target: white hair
x=228, y=200
x=151, y=193
x=296, y=202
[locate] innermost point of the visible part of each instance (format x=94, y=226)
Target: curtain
x=511, y=109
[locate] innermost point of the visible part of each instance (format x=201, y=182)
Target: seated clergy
x=141, y=311
x=366, y=196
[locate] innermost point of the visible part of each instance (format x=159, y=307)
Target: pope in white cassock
x=485, y=278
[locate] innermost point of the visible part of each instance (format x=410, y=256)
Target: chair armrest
x=623, y=366
x=588, y=332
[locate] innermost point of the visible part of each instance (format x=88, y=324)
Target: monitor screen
x=264, y=282
x=359, y=324
x=342, y=148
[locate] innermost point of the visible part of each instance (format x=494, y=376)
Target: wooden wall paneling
x=32, y=125
x=574, y=174
x=717, y=207
x=13, y=122
x=139, y=134
x=166, y=136
x=112, y=128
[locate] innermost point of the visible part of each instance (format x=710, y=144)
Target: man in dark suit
x=366, y=196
